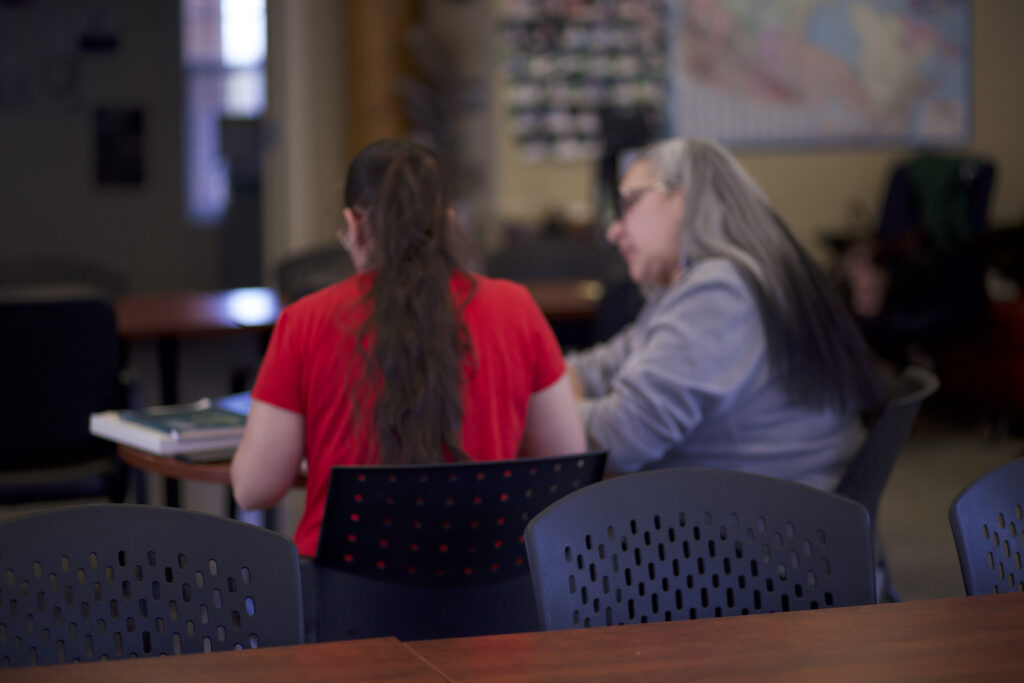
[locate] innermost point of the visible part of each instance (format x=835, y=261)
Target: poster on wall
x=564, y=60
x=750, y=73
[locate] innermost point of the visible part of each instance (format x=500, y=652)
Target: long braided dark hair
x=415, y=339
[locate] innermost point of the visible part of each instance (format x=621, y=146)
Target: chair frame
x=987, y=519
x=67, y=368
x=432, y=551
x=688, y=543
x=107, y=581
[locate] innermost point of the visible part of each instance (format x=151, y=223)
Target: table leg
x=168, y=350
x=171, y=493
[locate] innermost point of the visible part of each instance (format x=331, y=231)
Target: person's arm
x=575, y=383
x=553, y=424
x=591, y=370
x=267, y=460
x=698, y=348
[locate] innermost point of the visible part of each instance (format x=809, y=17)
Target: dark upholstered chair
x=60, y=361
x=684, y=543
x=432, y=551
x=92, y=582
x=988, y=526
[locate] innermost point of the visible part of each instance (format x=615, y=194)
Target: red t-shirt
x=312, y=363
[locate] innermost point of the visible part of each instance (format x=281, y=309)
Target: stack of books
x=207, y=425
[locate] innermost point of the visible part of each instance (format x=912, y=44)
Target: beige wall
x=816, y=190
x=307, y=118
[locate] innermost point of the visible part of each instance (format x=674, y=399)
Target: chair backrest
x=306, y=272
x=432, y=551
x=60, y=361
x=987, y=518
x=867, y=474
x=92, y=582
x=687, y=543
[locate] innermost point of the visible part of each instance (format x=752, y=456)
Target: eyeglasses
x=624, y=201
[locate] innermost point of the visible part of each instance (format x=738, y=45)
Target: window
x=223, y=53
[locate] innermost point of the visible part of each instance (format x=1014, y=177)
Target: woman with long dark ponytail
x=412, y=360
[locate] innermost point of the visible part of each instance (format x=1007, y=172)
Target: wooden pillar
x=377, y=58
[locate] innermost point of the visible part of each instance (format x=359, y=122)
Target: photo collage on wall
x=565, y=60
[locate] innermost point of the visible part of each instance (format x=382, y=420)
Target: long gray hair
x=813, y=341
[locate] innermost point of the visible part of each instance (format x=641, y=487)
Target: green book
x=203, y=419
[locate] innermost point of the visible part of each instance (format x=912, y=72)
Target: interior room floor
x=940, y=458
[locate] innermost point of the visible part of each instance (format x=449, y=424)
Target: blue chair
x=684, y=543
x=92, y=582
x=432, y=551
x=867, y=474
x=987, y=518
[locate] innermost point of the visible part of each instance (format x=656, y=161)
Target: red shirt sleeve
x=548, y=362
x=279, y=381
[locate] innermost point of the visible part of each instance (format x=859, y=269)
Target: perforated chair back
x=107, y=581
x=679, y=544
x=987, y=518
x=432, y=551
x=867, y=474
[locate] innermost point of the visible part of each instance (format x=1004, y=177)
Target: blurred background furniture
x=60, y=361
x=929, y=248
x=987, y=518
x=686, y=543
x=432, y=551
x=867, y=474
x=93, y=581
x=303, y=273
x=987, y=372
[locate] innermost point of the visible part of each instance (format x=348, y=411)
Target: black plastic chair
x=987, y=518
x=432, y=551
x=60, y=361
x=685, y=543
x=867, y=474
x=91, y=582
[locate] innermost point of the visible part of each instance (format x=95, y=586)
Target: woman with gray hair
x=743, y=357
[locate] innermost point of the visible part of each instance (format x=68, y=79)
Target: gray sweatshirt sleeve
x=702, y=341
x=596, y=366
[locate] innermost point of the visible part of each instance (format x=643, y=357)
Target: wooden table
x=377, y=659
x=218, y=472
x=170, y=317
x=978, y=638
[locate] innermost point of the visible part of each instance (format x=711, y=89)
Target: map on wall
x=750, y=72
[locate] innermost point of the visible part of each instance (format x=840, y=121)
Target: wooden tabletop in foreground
x=978, y=638
x=376, y=659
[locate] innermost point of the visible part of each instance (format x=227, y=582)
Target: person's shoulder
x=716, y=269
x=714, y=282
x=326, y=301
x=713, y=274
x=492, y=290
